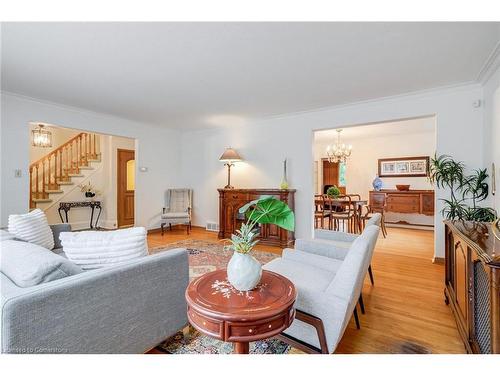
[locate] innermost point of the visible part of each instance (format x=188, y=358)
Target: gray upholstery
x=28, y=264
x=325, y=290
x=121, y=309
x=56, y=230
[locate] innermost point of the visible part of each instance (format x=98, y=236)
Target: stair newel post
x=37, y=185
x=49, y=178
x=31, y=187
x=67, y=158
x=60, y=163
x=94, y=155
x=43, y=178
x=88, y=145
x=71, y=163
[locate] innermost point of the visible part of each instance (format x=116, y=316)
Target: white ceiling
x=412, y=126
x=195, y=75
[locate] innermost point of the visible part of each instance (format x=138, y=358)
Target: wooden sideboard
x=230, y=201
x=407, y=202
x=472, y=284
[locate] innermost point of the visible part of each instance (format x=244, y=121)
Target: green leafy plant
x=265, y=210
x=466, y=191
x=333, y=191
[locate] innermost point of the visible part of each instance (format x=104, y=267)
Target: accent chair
x=177, y=210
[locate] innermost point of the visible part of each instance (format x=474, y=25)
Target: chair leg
x=162, y=228
x=361, y=304
x=170, y=225
x=371, y=274
x=356, y=318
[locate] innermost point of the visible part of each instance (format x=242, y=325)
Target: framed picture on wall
x=417, y=166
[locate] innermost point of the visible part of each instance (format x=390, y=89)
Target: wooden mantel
x=230, y=201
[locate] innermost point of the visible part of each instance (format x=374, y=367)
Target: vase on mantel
x=243, y=271
x=284, y=181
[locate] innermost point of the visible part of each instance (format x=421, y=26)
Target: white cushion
x=4, y=235
x=32, y=227
x=27, y=264
x=97, y=249
x=175, y=215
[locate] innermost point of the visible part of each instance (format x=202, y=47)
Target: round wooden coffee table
x=216, y=309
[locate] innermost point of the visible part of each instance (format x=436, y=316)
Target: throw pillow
x=4, y=235
x=32, y=227
x=27, y=264
x=97, y=249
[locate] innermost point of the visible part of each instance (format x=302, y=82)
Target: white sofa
x=329, y=282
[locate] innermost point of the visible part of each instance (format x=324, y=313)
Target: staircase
x=60, y=166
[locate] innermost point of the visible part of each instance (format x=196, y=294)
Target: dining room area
x=367, y=169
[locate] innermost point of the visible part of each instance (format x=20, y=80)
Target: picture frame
x=414, y=166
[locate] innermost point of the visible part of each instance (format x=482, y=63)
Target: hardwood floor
x=405, y=309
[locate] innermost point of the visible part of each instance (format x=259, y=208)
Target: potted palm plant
x=243, y=270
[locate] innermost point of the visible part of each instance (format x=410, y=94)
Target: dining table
x=358, y=208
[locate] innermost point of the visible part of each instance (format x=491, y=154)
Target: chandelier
x=338, y=152
x=40, y=137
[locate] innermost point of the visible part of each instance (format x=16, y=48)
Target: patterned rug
x=206, y=256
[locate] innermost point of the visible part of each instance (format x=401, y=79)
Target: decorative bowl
x=403, y=187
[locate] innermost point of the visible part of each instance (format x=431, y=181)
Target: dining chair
x=369, y=214
x=321, y=212
x=342, y=210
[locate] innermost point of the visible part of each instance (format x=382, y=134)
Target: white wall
x=266, y=143
x=157, y=148
x=491, y=102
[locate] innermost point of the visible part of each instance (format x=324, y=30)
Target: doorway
x=332, y=175
x=125, y=187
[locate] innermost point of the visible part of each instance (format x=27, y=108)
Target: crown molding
x=490, y=65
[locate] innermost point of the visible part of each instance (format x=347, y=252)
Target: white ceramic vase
x=243, y=271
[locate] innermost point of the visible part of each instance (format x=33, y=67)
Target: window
x=131, y=175
x=342, y=167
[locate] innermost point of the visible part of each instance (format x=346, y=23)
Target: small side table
x=216, y=309
x=66, y=206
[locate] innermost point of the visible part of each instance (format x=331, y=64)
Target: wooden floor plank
x=405, y=309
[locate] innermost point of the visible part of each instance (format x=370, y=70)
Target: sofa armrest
x=57, y=229
x=331, y=235
x=323, y=248
x=121, y=309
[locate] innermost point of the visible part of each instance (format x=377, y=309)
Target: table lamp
x=229, y=157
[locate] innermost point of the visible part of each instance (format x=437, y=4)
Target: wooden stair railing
x=59, y=164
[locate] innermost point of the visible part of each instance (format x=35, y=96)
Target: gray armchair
x=177, y=209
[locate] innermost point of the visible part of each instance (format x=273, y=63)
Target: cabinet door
x=377, y=200
x=461, y=280
x=428, y=204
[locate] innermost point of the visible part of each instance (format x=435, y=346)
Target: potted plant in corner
x=243, y=270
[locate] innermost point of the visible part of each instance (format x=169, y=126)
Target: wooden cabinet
x=230, y=201
x=472, y=284
x=407, y=202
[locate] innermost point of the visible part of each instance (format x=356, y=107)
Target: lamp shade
x=230, y=155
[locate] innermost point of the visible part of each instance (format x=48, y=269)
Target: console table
x=472, y=283
x=230, y=201
x=407, y=202
x=216, y=309
x=66, y=206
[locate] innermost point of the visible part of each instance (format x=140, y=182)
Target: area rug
x=207, y=256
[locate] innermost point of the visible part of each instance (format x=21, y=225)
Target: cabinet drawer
x=403, y=208
x=237, y=331
x=403, y=199
x=205, y=325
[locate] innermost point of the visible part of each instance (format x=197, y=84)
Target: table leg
x=66, y=214
x=241, y=347
x=98, y=216
x=91, y=216
x=59, y=210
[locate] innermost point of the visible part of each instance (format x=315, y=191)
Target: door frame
x=119, y=172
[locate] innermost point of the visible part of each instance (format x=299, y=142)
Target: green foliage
x=465, y=191
x=265, y=210
x=333, y=191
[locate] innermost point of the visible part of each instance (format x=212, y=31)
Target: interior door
x=126, y=187
x=331, y=175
